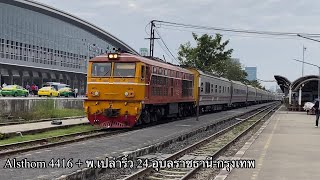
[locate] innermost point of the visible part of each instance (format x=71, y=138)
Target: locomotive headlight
x=126, y=94
x=95, y=93
x=113, y=56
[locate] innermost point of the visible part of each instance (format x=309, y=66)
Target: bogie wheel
x=146, y=117
x=50, y=94
x=15, y=94
x=26, y=95
x=139, y=122
x=154, y=117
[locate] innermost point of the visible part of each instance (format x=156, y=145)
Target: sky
x=128, y=20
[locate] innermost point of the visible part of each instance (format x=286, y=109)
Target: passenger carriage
x=251, y=97
x=214, y=91
x=238, y=94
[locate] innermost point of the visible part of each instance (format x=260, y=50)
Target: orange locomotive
x=126, y=90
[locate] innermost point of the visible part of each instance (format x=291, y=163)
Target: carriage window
x=101, y=69
x=207, y=88
x=124, y=69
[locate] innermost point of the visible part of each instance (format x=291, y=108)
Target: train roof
x=238, y=82
x=135, y=58
x=251, y=86
x=212, y=76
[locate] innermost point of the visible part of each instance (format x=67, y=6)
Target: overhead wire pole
x=316, y=40
x=303, y=50
x=318, y=77
x=152, y=38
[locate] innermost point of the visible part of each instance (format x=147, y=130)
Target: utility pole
x=152, y=38
x=318, y=77
x=303, y=50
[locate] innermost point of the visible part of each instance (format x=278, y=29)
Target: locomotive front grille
x=111, y=112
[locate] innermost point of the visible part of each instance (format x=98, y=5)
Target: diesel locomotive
x=124, y=90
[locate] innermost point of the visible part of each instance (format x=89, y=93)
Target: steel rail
x=83, y=136
x=149, y=170
x=221, y=150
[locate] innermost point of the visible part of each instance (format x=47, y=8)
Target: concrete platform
x=110, y=146
x=12, y=129
x=288, y=148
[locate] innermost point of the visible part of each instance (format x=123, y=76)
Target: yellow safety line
x=263, y=154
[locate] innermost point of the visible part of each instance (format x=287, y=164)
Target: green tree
x=212, y=56
x=209, y=55
x=234, y=71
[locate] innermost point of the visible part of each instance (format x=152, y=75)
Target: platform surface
x=287, y=149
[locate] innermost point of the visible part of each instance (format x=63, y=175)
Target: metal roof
x=283, y=82
x=303, y=80
x=71, y=19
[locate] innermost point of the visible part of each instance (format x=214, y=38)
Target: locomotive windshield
x=124, y=69
x=101, y=69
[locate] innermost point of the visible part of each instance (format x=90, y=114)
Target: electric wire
x=272, y=33
x=166, y=45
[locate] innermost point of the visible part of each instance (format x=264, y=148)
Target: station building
x=303, y=89
x=39, y=44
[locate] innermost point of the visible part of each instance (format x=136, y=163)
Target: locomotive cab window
x=101, y=69
x=143, y=72
x=124, y=69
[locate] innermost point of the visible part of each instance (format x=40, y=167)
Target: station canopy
x=303, y=81
x=283, y=82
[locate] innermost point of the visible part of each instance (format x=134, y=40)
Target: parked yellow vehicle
x=48, y=91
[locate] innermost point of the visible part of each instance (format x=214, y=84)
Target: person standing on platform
x=316, y=110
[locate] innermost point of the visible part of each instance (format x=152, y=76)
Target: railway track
x=20, y=147
x=36, y=144
x=211, y=146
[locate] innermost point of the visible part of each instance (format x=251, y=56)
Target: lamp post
x=318, y=77
x=303, y=50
